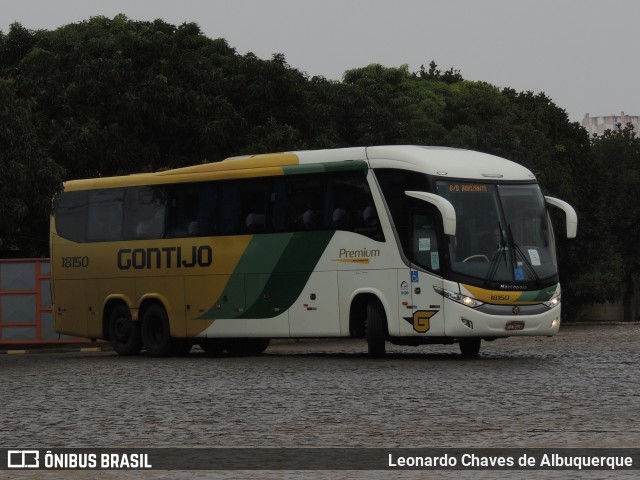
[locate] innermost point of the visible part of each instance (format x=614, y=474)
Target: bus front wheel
x=375, y=330
x=124, y=333
x=469, y=347
x=156, y=334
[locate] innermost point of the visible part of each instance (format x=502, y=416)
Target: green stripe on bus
x=347, y=166
x=270, y=275
x=290, y=275
x=258, y=260
x=538, y=295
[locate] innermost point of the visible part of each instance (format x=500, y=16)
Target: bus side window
x=104, y=221
x=192, y=210
x=253, y=206
x=71, y=215
x=144, y=213
x=425, y=250
x=301, y=203
x=352, y=206
x=230, y=211
x=208, y=209
x=280, y=204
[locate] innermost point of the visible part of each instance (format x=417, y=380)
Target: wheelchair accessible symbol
x=414, y=276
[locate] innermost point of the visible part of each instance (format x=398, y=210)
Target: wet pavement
x=578, y=389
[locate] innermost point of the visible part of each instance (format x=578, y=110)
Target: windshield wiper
x=519, y=254
x=495, y=261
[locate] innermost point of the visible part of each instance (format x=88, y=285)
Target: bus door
x=426, y=315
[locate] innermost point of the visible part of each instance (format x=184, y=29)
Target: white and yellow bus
x=403, y=244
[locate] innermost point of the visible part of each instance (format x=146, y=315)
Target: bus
x=409, y=245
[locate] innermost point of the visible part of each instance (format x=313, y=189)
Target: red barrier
x=26, y=315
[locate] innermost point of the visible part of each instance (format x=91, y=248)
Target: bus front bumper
x=500, y=320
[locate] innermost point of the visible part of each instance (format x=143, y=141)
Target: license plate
x=514, y=325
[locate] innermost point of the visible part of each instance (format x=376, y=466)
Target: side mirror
x=570, y=214
x=443, y=205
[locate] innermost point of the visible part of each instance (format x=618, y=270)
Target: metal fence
x=26, y=315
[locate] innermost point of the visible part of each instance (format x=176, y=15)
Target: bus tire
x=247, y=346
x=375, y=330
x=156, y=334
x=469, y=347
x=124, y=333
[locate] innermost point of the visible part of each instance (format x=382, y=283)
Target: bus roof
x=440, y=161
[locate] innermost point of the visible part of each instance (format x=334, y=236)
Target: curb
x=57, y=349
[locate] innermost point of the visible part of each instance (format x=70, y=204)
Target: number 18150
x=75, y=262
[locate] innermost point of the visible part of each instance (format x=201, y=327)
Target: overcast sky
x=584, y=54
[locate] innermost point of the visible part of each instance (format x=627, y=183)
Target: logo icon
x=23, y=459
x=420, y=321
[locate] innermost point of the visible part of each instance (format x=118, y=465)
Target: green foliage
x=115, y=96
x=29, y=178
x=390, y=106
x=611, y=203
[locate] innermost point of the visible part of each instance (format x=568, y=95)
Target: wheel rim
x=122, y=329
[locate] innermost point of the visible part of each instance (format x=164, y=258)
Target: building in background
x=598, y=125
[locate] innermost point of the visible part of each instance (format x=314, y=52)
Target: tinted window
x=351, y=205
x=71, y=215
x=424, y=247
x=417, y=223
x=104, y=221
x=144, y=213
x=339, y=200
x=192, y=210
x=299, y=203
x=254, y=199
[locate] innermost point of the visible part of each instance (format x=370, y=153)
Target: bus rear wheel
x=124, y=333
x=156, y=334
x=469, y=347
x=375, y=330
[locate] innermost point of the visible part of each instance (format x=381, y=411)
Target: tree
x=116, y=96
x=121, y=96
x=434, y=73
x=389, y=106
x=28, y=182
x=613, y=199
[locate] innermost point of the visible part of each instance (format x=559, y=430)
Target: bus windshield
x=503, y=232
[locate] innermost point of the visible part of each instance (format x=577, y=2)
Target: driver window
x=424, y=246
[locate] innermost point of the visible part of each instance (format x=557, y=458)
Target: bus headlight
x=459, y=298
x=555, y=300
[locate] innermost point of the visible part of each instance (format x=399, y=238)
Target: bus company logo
x=513, y=287
x=23, y=459
x=420, y=321
x=165, y=257
x=356, y=256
